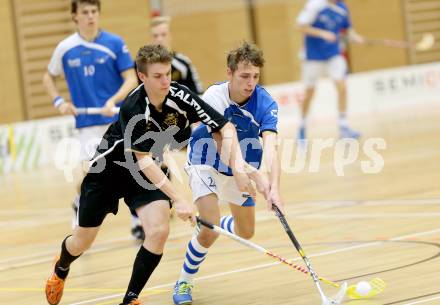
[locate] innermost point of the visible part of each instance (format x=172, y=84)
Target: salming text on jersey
x=186, y=97
x=144, y=129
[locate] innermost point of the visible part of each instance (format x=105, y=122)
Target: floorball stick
x=368, y=290
x=424, y=44
x=94, y=110
x=336, y=300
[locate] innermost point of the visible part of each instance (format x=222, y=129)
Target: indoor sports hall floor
x=354, y=227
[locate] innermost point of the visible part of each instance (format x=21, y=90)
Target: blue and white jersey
x=327, y=16
x=92, y=71
x=258, y=114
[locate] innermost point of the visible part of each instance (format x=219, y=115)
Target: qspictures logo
x=294, y=157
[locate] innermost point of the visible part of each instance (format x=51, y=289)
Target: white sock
x=75, y=203
x=227, y=223
x=303, y=122
x=195, y=255
x=135, y=221
x=343, y=120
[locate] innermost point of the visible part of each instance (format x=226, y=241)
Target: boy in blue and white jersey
x=251, y=119
x=255, y=114
x=99, y=72
x=93, y=71
x=322, y=21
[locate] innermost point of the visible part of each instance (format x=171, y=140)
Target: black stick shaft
x=288, y=230
x=296, y=244
x=204, y=223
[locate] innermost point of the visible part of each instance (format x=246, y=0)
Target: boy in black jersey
x=183, y=72
x=153, y=116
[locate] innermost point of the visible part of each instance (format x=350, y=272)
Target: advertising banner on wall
x=28, y=145
x=367, y=92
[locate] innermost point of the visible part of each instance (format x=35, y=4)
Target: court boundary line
x=255, y=267
x=423, y=301
x=261, y=215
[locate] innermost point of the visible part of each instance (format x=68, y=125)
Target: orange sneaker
x=133, y=302
x=54, y=288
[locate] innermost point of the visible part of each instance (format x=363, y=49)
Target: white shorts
x=312, y=70
x=205, y=180
x=89, y=138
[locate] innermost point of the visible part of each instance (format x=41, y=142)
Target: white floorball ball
x=363, y=288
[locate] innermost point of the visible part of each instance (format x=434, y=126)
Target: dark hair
x=151, y=54
x=248, y=53
x=75, y=3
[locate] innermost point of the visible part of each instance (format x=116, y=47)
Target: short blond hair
x=152, y=54
x=155, y=21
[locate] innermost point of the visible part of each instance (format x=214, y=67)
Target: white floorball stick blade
x=339, y=297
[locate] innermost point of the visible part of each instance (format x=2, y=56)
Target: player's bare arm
x=355, y=37
x=272, y=161
x=49, y=82
x=130, y=82
x=230, y=153
x=320, y=33
x=153, y=172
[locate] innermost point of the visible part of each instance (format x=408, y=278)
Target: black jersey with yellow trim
x=143, y=129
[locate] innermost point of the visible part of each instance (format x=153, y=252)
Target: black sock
x=133, y=212
x=63, y=264
x=143, y=267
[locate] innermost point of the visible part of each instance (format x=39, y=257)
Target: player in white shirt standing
x=322, y=21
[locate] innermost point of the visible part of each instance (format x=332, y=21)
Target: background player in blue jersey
x=322, y=21
x=255, y=114
x=98, y=70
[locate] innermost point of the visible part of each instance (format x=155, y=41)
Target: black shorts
x=100, y=193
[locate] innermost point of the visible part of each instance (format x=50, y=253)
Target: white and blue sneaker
x=182, y=293
x=348, y=133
